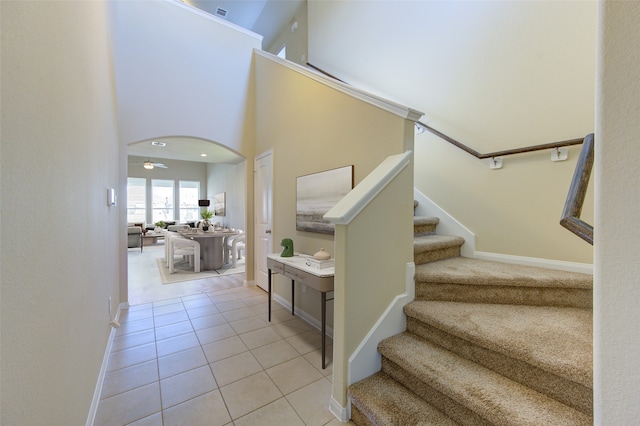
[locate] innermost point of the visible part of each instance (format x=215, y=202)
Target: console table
x=297, y=269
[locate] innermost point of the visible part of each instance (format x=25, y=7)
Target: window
x=188, y=196
x=162, y=200
x=136, y=200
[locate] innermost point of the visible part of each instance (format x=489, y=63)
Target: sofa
x=134, y=237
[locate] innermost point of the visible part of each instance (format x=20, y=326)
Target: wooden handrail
x=495, y=154
x=577, y=191
x=321, y=71
x=465, y=148
x=575, y=199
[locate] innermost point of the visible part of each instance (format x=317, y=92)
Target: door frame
x=257, y=231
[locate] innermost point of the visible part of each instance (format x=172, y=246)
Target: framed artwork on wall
x=219, y=204
x=316, y=193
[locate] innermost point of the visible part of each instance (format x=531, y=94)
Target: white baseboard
x=103, y=368
x=342, y=413
x=302, y=314
x=251, y=283
x=448, y=224
x=366, y=359
x=585, y=268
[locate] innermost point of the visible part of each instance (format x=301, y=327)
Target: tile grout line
x=157, y=309
x=208, y=363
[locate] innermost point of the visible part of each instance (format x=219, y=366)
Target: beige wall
x=310, y=128
x=60, y=242
x=494, y=75
x=617, y=151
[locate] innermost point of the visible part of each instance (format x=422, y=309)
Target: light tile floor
x=212, y=358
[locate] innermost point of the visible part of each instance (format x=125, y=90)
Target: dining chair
x=167, y=237
x=235, y=248
x=181, y=246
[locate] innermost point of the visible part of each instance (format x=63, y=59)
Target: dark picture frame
x=316, y=194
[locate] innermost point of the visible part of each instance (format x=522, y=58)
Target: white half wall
x=616, y=236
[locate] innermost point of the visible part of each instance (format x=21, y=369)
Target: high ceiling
x=265, y=17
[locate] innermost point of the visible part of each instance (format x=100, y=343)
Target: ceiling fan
x=149, y=165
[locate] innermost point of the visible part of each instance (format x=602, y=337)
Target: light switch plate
x=111, y=197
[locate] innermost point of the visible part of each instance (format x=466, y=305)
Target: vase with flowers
x=206, y=215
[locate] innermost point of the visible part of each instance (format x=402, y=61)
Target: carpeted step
x=380, y=400
x=431, y=248
x=546, y=348
x=479, y=281
x=425, y=225
x=467, y=392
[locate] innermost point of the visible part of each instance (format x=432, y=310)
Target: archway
x=179, y=167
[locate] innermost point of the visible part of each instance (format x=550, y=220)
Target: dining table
x=211, y=245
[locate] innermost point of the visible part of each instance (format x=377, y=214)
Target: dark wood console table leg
x=269, y=288
x=323, y=297
x=293, y=296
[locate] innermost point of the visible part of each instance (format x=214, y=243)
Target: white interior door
x=263, y=190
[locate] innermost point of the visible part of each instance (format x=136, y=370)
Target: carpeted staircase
x=487, y=343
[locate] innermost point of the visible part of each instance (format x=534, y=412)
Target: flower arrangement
x=206, y=214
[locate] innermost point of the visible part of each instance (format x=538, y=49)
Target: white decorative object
x=322, y=255
x=319, y=264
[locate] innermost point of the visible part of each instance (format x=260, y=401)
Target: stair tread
x=489, y=394
x=463, y=270
x=387, y=402
x=555, y=339
x=425, y=220
x=434, y=241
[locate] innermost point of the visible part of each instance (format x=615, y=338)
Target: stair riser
x=479, y=389
x=358, y=418
x=435, y=255
x=566, y=391
x=424, y=229
x=533, y=296
x=451, y=408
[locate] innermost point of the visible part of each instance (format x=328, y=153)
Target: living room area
x=171, y=182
